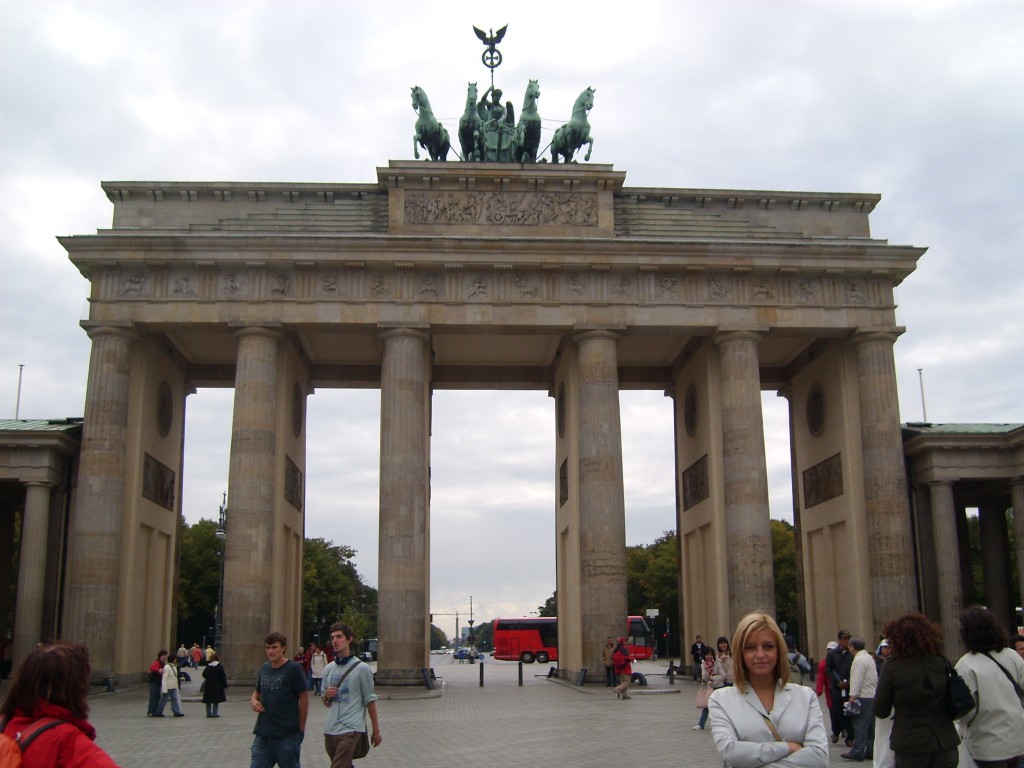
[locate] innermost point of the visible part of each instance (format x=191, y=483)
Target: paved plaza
x=543, y=723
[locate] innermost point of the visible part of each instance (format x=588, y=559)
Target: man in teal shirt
x=349, y=694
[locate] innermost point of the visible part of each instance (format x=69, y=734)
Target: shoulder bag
x=1016, y=687
x=959, y=700
x=363, y=747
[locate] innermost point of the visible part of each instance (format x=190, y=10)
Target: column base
x=400, y=677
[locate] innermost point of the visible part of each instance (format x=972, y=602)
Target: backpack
x=12, y=749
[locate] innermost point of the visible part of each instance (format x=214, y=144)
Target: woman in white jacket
x=169, y=690
x=764, y=719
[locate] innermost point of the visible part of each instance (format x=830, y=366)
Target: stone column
x=1017, y=500
x=946, y=543
x=28, y=617
x=602, y=498
x=887, y=508
x=403, y=564
x=94, y=536
x=748, y=532
x=995, y=562
x=248, y=544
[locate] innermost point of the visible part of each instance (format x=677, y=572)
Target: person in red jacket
x=622, y=662
x=51, y=685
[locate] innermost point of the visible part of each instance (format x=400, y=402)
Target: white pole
x=920, y=378
x=17, y=404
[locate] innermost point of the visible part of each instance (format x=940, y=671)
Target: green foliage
x=333, y=591
x=438, y=639
x=787, y=607
x=550, y=607
x=652, y=581
x=331, y=587
x=483, y=635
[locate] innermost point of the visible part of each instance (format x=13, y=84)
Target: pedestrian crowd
x=893, y=705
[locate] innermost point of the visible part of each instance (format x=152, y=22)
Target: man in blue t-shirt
x=282, y=701
x=349, y=693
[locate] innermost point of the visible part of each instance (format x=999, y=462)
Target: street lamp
x=221, y=534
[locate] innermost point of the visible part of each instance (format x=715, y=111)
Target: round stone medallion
x=816, y=410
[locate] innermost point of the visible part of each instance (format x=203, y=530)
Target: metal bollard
x=520, y=674
x=671, y=674
x=481, y=673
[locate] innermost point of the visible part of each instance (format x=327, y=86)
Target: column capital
x=864, y=335
x=98, y=330
x=416, y=332
x=594, y=334
x=267, y=331
x=726, y=336
x=39, y=484
x=938, y=483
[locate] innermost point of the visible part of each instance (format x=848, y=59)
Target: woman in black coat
x=214, y=686
x=913, y=682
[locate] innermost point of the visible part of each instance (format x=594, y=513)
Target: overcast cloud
x=918, y=101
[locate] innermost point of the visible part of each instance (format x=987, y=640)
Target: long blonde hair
x=749, y=625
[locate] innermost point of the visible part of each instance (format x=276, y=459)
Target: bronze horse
x=527, y=138
x=471, y=128
x=574, y=134
x=430, y=134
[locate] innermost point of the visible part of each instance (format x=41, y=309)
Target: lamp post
x=221, y=534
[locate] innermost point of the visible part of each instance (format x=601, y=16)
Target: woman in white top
x=764, y=719
x=994, y=729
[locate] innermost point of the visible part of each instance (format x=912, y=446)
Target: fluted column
x=602, y=498
x=995, y=561
x=403, y=569
x=947, y=566
x=94, y=536
x=886, y=506
x=1017, y=500
x=28, y=617
x=250, y=530
x=747, y=527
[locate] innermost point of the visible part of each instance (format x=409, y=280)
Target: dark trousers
x=609, y=676
x=864, y=729
x=154, y=697
x=947, y=758
x=840, y=722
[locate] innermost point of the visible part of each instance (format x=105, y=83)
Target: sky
x=918, y=101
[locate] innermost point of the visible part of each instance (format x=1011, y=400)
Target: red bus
x=535, y=638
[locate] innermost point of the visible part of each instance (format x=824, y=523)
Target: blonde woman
x=764, y=719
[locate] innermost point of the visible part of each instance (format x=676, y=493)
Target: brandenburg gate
x=487, y=275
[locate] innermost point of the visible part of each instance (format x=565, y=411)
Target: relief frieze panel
x=450, y=283
x=523, y=209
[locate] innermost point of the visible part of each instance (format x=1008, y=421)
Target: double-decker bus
x=535, y=638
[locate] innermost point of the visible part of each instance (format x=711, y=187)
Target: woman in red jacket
x=49, y=691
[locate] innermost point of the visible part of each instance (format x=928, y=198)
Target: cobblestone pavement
x=544, y=723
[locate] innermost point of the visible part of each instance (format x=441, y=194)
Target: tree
x=652, y=581
x=787, y=609
x=438, y=639
x=198, y=580
x=550, y=607
x=333, y=591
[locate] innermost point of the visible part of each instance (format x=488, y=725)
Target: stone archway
x=481, y=275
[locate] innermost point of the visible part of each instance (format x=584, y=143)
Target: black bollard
x=671, y=674
x=520, y=674
x=481, y=673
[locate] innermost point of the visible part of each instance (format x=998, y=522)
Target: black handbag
x=959, y=700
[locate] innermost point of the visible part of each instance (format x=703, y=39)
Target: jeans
x=175, y=699
x=703, y=717
x=212, y=709
x=285, y=752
